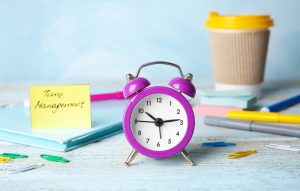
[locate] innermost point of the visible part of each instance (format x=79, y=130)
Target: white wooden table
x=99, y=166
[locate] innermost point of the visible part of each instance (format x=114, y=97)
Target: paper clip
x=54, y=158
x=4, y=159
x=13, y=155
x=283, y=147
x=240, y=154
x=25, y=168
x=218, y=144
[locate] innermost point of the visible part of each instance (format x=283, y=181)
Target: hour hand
x=136, y=121
x=171, y=120
x=151, y=116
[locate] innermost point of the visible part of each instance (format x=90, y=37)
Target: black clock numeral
x=135, y=121
x=139, y=132
x=141, y=110
x=159, y=100
x=169, y=141
x=177, y=133
x=148, y=103
x=181, y=122
x=158, y=144
x=178, y=111
x=147, y=140
x=170, y=103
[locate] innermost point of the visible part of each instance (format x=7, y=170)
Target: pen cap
x=230, y=123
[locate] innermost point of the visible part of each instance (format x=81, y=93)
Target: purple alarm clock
x=159, y=121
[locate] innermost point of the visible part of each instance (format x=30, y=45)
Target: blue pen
x=282, y=104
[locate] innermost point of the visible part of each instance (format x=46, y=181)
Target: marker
x=272, y=117
x=282, y=104
x=107, y=96
x=252, y=126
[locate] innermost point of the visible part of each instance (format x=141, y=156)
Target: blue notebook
x=242, y=102
x=237, y=98
x=15, y=126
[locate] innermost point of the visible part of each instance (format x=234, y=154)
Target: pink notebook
x=211, y=110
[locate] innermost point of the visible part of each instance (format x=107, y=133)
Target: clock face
x=158, y=122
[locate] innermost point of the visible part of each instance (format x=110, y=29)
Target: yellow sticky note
x=63, y=106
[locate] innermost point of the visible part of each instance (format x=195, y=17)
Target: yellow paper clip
x=240, y=154
x=4, y=159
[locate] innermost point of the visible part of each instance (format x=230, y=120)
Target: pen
x=252, y=126
x=282, y=104
x=272, y=117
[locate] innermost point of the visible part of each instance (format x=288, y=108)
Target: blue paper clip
x=218, y=144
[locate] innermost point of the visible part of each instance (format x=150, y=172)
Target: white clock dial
x=159, y=122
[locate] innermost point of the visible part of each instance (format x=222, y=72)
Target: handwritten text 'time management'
x=56, y=106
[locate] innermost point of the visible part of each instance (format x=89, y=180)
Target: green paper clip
x=54, y=158
x=14, y=155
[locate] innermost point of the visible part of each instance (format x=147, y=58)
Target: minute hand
x=171, y=120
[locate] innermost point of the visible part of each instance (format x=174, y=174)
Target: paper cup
x=239, y=47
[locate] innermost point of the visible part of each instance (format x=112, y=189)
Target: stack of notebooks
x=234, y=98
x=15, y=126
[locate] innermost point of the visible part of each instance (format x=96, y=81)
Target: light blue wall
x=102, y=40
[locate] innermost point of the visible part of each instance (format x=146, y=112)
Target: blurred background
x=93, y=40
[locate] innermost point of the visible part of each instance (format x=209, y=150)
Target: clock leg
x=187, y=157
x=131, y=157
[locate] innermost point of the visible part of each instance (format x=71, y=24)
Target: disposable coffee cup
x=239, y=45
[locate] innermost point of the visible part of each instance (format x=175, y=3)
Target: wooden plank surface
x=99, y=166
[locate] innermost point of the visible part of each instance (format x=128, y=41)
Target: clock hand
x=151, y=116
x=171, y=120
x=159, y=132
x=144, y=121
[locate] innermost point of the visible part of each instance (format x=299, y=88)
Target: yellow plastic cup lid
x=216, y=21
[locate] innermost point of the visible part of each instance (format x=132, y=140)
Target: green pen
x=54, y=158
x=13, y=155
